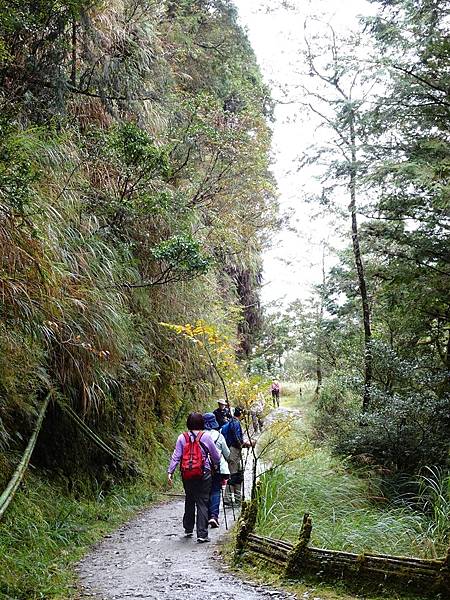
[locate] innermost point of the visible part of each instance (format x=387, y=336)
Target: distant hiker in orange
x=198, y=458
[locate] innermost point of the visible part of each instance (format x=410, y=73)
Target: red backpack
x=192, y=464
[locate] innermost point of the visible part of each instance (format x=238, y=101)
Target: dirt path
x=149, y=559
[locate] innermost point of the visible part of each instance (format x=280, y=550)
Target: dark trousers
x=197, y=496
x=214, y=498
x=275, y=398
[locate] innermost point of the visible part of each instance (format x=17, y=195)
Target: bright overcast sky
x=293, y=264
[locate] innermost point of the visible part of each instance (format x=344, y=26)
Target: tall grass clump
x=343, y=508
x=433, y=499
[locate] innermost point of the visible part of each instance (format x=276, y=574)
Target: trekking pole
x=224, y=511
x=243, y=473
x=232, y=502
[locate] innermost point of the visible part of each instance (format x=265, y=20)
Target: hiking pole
x=243, y=474
x=232, y=503
x=224, y=511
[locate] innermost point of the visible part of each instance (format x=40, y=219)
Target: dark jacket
x=222, y=415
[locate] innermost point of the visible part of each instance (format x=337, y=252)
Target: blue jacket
x=232, y=432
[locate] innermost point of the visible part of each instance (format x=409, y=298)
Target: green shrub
x=400, y=434
x=403, y=435
x=335, y=410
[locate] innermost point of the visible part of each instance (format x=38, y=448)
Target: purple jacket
x=206, y=440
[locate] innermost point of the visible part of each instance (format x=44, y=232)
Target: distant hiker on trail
x=220, y=477
x=234, y=437
x=222, y=412
x=256, y=413
x=198, y=456
x=275, y=390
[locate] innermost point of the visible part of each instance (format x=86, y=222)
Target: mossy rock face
x=100, y=194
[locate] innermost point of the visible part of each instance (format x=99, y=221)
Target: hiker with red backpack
x=198, y=457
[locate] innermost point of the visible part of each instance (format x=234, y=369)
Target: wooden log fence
x=431, y=576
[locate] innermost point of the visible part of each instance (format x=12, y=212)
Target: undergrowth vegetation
x=401, y=436
x=134, y=191
x=347, y=511
x=349, y=506
x=47, y=529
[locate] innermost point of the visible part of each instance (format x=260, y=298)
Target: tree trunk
x=319, y=329
x=73, y=71
x=360, y=271
x=446, y=384
x=318, y=374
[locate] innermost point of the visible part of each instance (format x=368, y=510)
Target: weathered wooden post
x=297, y=555
x=247, y=521
x=443, y=580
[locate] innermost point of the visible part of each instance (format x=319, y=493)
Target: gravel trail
x=149, y=559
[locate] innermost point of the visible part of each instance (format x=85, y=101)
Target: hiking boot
x=203, y=540
x=213, y=523
x=188, y=533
